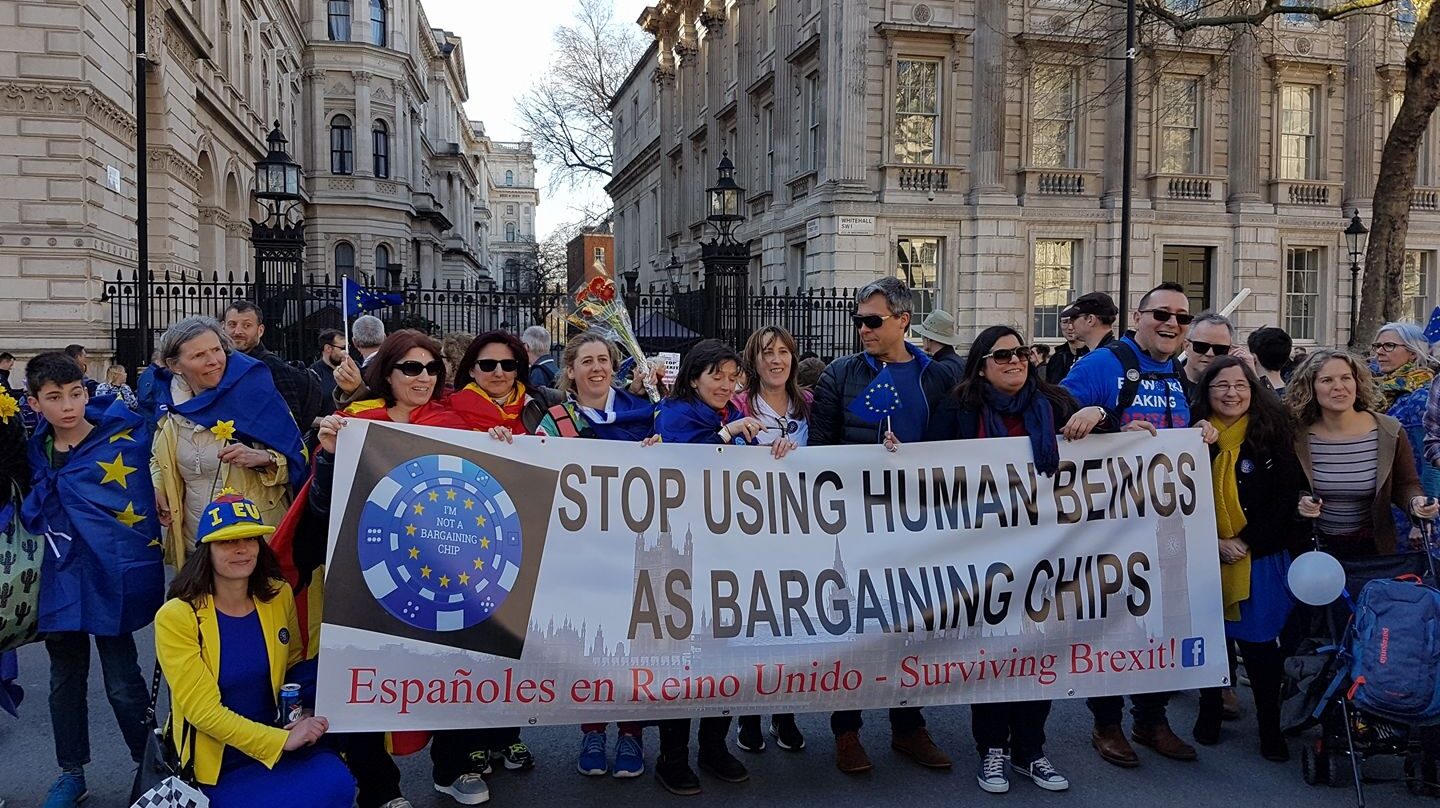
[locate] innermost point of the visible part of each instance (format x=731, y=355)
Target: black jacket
x=299, y=388
x=1059, y=364
x=1269, y=493
x=832, y=423
x=535, y=410
x=325, y=374
x=948, y=355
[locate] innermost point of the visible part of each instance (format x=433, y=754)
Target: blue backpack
x=1395, y=651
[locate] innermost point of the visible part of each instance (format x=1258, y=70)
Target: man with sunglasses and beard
x=1136, y=380
x=883, y=310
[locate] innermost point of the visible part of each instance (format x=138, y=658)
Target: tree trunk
x=1381, y=292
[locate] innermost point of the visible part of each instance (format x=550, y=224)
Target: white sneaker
x=468, y=789
x=1044, y=774
x=992, y=777
x=398, y=802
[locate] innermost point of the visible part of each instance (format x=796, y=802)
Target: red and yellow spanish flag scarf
x=481, y=412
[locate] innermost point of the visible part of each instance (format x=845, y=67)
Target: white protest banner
x=473, y=583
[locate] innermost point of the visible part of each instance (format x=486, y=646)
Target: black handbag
x=161, y=777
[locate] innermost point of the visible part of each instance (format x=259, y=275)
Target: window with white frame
x=1297, y=132
x=1054, y=284
x=767, y=136
x=1052, y=116
x=918, y=265
x=1302, y=291
x=1415, y=287
x=917, y=110
x=1179, y=125
x=795, y=265
x=770, y=25
x=812, y=122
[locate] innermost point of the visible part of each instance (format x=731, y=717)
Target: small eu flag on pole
x=878, y=401
x=359, y=300
x=1432, y=329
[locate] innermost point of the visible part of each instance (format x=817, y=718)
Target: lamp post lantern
x=279, y=242
x=1355, y=235
x=727, y=261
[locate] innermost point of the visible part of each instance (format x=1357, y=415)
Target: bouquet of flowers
x=598, y=306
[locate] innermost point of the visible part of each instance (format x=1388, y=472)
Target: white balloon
x=1316, y=578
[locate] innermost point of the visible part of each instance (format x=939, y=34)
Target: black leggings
x=1264, y=663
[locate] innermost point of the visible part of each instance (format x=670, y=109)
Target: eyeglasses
x=1226, y=387
x=413, y=368
x=489, y=365
x=1004, y=356
x=1385, y=347
x=1163, y=316
x=871, y=321
x=1201, y=348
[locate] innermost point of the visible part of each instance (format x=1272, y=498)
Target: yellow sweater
x=187, y=644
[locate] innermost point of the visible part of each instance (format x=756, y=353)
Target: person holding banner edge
x=596, y=409
x=1136, y=380
x=699, y=410
x=772, y=394
x=891, y=372
x=1002, y=395
x=1257, y=480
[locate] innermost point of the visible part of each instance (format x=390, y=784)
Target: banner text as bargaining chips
x=472, y=583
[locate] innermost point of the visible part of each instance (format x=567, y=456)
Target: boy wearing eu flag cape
x=92, y=501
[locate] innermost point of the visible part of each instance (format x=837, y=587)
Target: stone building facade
x=973, y=148
x=399, y=182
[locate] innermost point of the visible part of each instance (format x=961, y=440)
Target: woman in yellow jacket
x=225, y=640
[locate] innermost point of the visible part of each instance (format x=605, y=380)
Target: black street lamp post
x=1355, y=241
x=726, y=261
x=279, y=242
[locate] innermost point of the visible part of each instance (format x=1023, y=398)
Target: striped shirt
x=1345, y=473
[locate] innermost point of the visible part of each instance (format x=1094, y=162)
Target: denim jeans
x=69, y=707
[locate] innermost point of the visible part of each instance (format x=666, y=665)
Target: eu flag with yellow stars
x=878, y=401
x=94, y=508
x=359, y=300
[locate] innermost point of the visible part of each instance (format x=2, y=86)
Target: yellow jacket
x=269, y=490
x=187, y=644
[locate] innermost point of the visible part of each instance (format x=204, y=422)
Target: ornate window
x=1054, y=281
x=509, y=177
x=1052, y=116
x=1179, y=125
x=918, y=265
x=509, y=231
x=917, y=110
x=342, y=146
x=344, y=260
x=339, y=13
x=1302, y=291
x=377, y=22
x=1297, y=133
x=380, y=146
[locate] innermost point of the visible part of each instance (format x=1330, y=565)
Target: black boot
x=750, y=737
x=1265, y=664
x=1212, y=712
x=715, y=757
x=672, y=767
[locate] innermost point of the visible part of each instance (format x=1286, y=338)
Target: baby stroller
x=1320, y=688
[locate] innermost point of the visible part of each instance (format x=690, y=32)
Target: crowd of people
x=238, y=441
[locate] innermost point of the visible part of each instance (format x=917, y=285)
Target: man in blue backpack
x=1134, y=383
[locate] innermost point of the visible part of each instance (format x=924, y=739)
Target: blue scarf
x=694, y=422
x=246, y=395
x=632, y=418
x=1038, y=416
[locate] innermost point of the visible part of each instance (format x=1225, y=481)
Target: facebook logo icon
x=1192, y=652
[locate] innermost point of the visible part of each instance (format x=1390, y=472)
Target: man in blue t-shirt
x=1096, y=381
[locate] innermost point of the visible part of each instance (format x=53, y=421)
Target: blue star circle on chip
x=439, y=543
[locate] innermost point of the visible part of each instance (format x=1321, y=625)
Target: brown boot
x=1163, y=740
x=1110, y=742
x=850, y=756
x=918, y=746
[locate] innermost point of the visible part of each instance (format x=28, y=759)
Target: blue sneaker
x=629, y=757
x=592, y=755
x=68, y=791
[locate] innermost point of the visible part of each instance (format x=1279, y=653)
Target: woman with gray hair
x=1406, y=372
x=224, y=425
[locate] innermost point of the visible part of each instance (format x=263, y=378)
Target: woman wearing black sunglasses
x=489, y=394
x=1000, y=396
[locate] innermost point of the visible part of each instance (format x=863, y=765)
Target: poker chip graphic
x=439, y=543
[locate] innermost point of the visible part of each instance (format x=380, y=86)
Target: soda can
x=289, y=704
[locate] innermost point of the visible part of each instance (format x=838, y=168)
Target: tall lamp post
x=726, y=261
x=279, y=242
x=1355, y=241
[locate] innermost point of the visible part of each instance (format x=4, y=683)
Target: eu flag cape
x=246, y=396
x=102, y=572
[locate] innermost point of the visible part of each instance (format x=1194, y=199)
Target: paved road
x=1232, y=775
